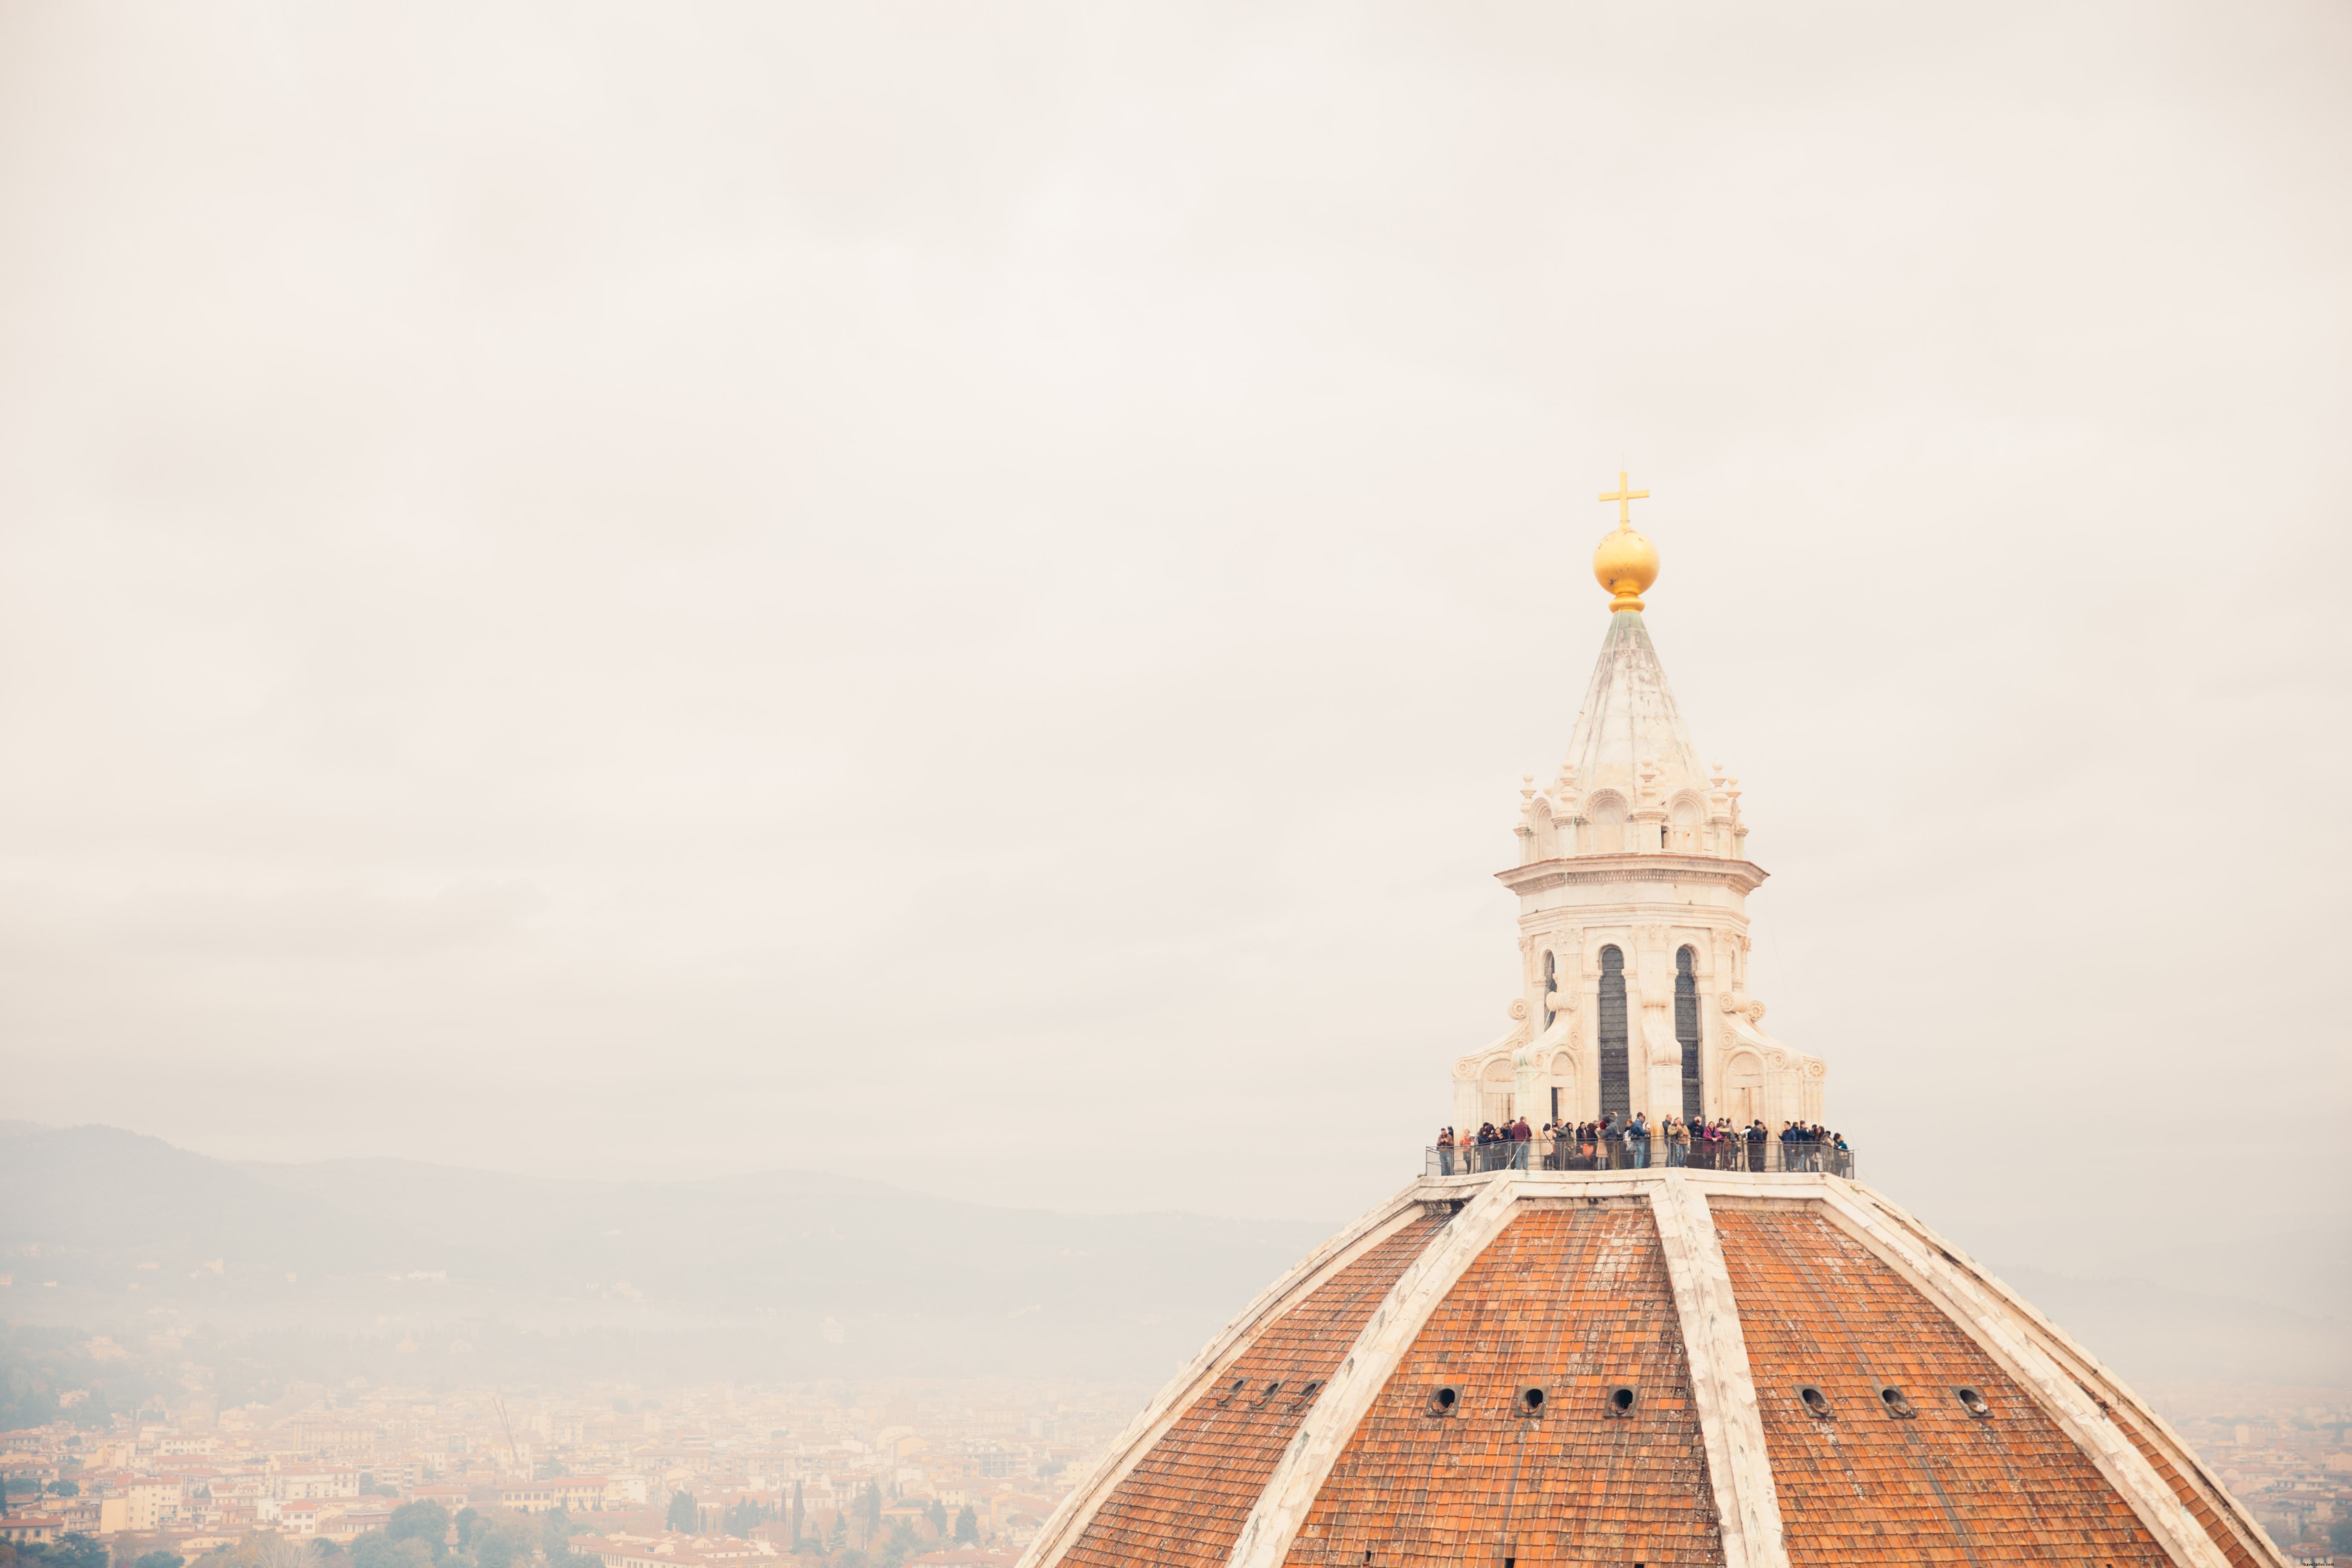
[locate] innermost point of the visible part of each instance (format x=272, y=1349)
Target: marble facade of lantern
x=1632, y=845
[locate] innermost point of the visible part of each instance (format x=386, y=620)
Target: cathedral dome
x=1745, y=1359
x=1642, y=1368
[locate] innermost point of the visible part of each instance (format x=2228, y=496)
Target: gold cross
x=1624, y=498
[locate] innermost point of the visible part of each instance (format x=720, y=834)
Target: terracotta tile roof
x=1941, y=1486
x=1577, y=1285
x=1574, y=1302
x=2192, y=1498
x=1185, y=1502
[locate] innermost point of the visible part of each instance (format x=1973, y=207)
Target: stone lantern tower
x=1633, y=880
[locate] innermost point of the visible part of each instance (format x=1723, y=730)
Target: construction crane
x=514, y=1455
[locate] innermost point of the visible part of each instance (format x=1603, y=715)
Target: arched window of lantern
x=1616, y=1084
x=1546, y=835
x=1607, y=815
x=1494, y=1092
x=1683, y=829
x=1687, y=1031
x=1743, y=1086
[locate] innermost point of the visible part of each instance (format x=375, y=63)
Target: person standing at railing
x=1637, y=1140
x=1521, y=1135
x=1445, y=1150
x=1756, y=1140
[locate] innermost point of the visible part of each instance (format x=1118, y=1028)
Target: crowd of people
x=1622, y=1143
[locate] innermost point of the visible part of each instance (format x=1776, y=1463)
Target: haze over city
x=803, y=719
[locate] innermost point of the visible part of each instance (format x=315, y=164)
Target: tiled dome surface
x=1371, y=1408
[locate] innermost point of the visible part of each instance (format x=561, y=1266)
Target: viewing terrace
x=1570, y=1153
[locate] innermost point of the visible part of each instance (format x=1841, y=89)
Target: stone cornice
x=1743, y=876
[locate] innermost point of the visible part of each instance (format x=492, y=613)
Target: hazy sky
x=963, y=591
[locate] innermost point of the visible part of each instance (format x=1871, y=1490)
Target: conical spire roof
x=1629, y=721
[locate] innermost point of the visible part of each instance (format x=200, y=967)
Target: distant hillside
x=2151, y=1332
x=785, y=1274
x=395, y=1270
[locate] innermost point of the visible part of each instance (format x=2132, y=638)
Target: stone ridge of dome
x=1664, y=1366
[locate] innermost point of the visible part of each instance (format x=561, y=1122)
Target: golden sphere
x=1626, y=563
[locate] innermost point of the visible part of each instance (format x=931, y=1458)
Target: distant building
x=30, y=1529
x=297, y=1486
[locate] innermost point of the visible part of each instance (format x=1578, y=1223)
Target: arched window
x=1546, y=835
x=1616, y=1086
x=1685, y=827
x=1496, y=1094
x=1551, y=988
x=1608, y=817
x=1743, y=1088
x=1686, y=1032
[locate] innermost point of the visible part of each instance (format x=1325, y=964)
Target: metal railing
x=1619, y=1154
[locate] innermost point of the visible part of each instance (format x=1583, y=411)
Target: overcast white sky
x=963, y=591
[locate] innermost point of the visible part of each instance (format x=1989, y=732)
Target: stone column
x=1656, y=1065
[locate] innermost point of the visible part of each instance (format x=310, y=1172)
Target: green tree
x=71, y=1550
x=158, y=1559
x=65, y=1488
x=2339, y=1534
x=501, y=1538
x=379, y=1550
x=684, y=1515
x=968, y=1526
x=325, y=1553
x=555, y=1532
x=938, y=1515
x=869, y=1511
x=902, y=1545
x=425, y=1523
